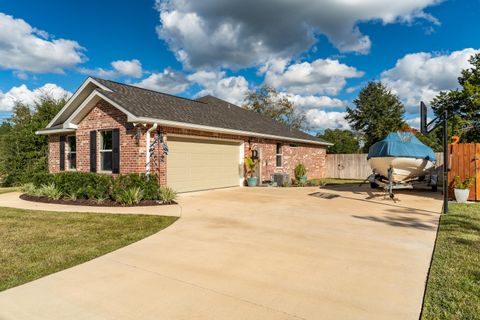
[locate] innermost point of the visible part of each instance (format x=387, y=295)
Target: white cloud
x=120, y=68
x=25, y=48
x=321, y=120
x=168, y=81
x=129, y=68
x=242, y=33
x=421, y=76
x=24, y=95
x=321, y=76
x=232, y=89
x=310, y=102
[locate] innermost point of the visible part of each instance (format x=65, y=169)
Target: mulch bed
x=91, y=202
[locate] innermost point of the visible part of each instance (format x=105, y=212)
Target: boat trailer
x=389, y=185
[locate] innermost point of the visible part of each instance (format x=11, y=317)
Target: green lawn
x=333, y=181
x=36, y=243
x=453, y=288
x=9, y=189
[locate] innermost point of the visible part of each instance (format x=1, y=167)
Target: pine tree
x=377, y=112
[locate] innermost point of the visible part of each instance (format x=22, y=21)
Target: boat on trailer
x=400, y=161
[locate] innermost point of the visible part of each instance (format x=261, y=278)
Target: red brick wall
x=104, y=116
x=312, y=157
x=54, y=153
x=133, y=149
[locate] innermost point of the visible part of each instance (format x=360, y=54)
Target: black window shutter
x=62, y=153
x=93, y=151
x=115, y=151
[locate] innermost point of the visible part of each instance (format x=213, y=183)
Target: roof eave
x=184, y=125
x=53, y=131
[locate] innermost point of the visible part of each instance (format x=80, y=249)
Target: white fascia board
x=93, y=98
x=184, y=125
x=47, y=132
x=75, y=95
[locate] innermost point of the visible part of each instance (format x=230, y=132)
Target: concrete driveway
x=258, y=253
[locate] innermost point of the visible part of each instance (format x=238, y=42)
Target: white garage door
x=198, y=164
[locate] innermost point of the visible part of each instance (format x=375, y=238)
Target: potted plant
x=251, y=165
x=462, y=188
x=301, y=173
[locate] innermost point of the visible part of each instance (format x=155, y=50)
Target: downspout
x=147, y=166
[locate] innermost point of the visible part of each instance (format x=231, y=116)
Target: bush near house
x=125, y=189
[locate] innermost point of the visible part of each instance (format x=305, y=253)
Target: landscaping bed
x=92, y=202
x=453, y=286
x=34, y=244
x=92, y=189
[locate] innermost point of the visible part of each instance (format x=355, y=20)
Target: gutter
x=147, y=163
x=191, y=126
x=52, y=131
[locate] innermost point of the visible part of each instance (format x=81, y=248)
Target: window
x=106, y=150
x=71, y=153
x=279, y=155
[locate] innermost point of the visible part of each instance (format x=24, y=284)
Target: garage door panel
x=198, y=164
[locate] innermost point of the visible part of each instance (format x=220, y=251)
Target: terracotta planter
x=461, y=195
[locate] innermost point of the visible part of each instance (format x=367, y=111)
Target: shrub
x=130, y=196
x=72, y=196
x=167, y=195
x=300, y=171
x=100, y=187
x=51, y=191
x=147, y=183
x=31, y=190
x=42, y=178
x=84, y=184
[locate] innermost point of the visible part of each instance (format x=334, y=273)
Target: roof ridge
x=150, y=90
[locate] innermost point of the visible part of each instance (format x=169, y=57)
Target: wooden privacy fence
x=347, y=166
x=465, y=162
x=355, y=166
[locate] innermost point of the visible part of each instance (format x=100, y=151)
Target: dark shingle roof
x=205, y=111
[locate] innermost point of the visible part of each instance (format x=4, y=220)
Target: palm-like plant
x=250, y=165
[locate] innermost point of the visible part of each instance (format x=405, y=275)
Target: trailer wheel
x=374, y=185
x=434, y=188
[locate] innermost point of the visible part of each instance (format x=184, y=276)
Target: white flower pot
x=461, y=195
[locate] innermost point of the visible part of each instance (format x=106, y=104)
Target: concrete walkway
x=270, y=253
x=12, y=200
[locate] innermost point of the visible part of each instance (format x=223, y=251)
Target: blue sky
x=318, y=52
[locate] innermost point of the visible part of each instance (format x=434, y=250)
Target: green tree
x=377, y=112
x=463, y=103
x=267, y=101
x=22, y=152
x=345, y=141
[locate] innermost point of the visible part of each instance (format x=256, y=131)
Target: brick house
x=109, y=127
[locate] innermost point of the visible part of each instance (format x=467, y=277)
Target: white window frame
x=103, y=151
x=69, y=152
x=277, y=155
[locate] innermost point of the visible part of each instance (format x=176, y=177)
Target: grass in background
x=9, y=189
x=333, y=181
x=453, y=287
x=34, y=244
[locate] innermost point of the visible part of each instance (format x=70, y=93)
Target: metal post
x=445, y=162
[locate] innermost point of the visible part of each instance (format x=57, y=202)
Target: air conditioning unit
x=280, y=178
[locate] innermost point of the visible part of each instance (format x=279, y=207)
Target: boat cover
x=401, y=144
